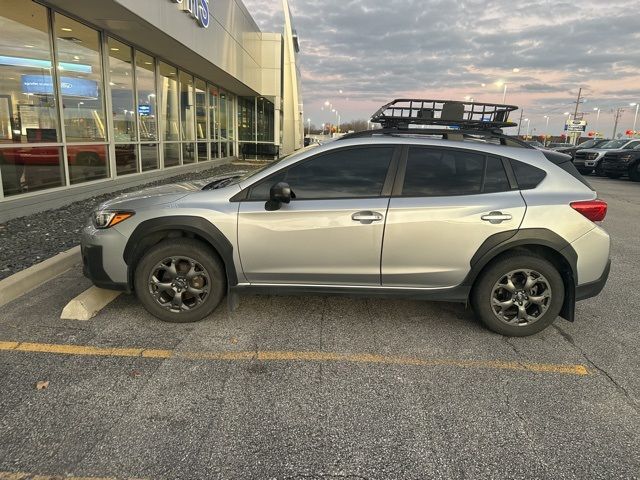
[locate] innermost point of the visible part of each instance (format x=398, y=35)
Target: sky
x=361, y=54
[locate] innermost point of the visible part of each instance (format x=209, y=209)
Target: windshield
x=613, y=144
x=589, y=144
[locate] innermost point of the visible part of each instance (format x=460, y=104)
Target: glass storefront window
x=126, y=158
x=214, y=121
x=87, y=163
x=146, y=85
x=266, y=117
x=169, y=105
x=121, y=88
x=149, y=156
x=29, y=169
x=201, y=109
x=187, y=113
x=203, y=155
x=171, y=154
x=188, y=153
x=246, y=119
x=28, y=111
x=223, y=115
x=80, y=79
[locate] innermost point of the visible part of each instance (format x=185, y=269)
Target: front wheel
x=614, y=176
x=518, y=295
x=585, y=171
x=634, y=172
x=600, y=169
x=180, y=280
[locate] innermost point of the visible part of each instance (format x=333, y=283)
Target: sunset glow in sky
x=377, y=50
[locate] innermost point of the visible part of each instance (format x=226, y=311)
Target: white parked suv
x=457, y=212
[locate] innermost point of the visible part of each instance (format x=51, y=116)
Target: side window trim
x=243, y=196
x=511, y=176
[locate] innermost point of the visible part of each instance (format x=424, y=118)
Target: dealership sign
x=198, y=9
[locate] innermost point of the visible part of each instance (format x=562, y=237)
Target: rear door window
x=435, y=172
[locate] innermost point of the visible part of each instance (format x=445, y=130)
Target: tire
x=634, y=172
x=542, y=313
x=585, y=171
x=600, y=169
x=614, y=176
x=199, y=278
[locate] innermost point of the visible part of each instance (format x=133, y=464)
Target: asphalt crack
x=631, y=400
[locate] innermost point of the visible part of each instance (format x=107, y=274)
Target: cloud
x=376, y=50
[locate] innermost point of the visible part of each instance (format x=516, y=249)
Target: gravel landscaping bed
x=28, y=240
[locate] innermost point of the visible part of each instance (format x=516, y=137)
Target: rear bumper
x=593, y=289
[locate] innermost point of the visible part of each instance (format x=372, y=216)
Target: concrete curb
x=87, y=305
x=23, y=282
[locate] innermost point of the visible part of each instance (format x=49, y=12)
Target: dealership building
x=141, y=90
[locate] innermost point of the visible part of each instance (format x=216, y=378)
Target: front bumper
x=102, y=258
x=93, y=269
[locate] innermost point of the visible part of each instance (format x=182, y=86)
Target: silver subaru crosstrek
x=455, y=212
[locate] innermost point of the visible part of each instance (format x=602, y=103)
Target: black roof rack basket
x=401, y=113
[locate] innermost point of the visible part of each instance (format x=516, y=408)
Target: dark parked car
x=617, y=164
x=593, y=143
x=588, y=160
x=556, y=146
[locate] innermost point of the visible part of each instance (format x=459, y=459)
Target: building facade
x=97, y=95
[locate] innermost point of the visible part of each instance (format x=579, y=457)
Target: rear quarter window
x=527, y=176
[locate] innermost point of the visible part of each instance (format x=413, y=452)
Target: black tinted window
x=349, y=173
x=527, y=176
x=434, y=172
x=495, y=179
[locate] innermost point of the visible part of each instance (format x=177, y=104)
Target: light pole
x=635, y=119
x=528, y=125
x=338, y=117
x=323, y=129
x=546, y=129
x=596, y=109
x=309, y=123
x=502, y=83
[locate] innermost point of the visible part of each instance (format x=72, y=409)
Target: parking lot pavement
x=325, y=387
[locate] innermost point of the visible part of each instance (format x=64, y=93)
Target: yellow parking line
x=293, y=356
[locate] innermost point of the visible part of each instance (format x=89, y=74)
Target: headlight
x=625, y=158
x=107, y=219
x=592, y=156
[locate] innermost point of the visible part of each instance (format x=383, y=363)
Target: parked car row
x=614, y=158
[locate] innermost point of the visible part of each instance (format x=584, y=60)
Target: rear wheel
x=634, y=172
x=518, y=295
x=180, y=280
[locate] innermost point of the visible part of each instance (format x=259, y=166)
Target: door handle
x=366, y=217
x=496, y=217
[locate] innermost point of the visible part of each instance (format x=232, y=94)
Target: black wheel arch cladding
x=150, y=232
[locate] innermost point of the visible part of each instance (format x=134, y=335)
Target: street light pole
x=597, y=120
x=635, y=120
x=504, y=94
x=546, y=130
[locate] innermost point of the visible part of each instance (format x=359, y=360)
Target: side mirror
x=280, y=193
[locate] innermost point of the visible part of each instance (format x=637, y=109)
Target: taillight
x=594, y=210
